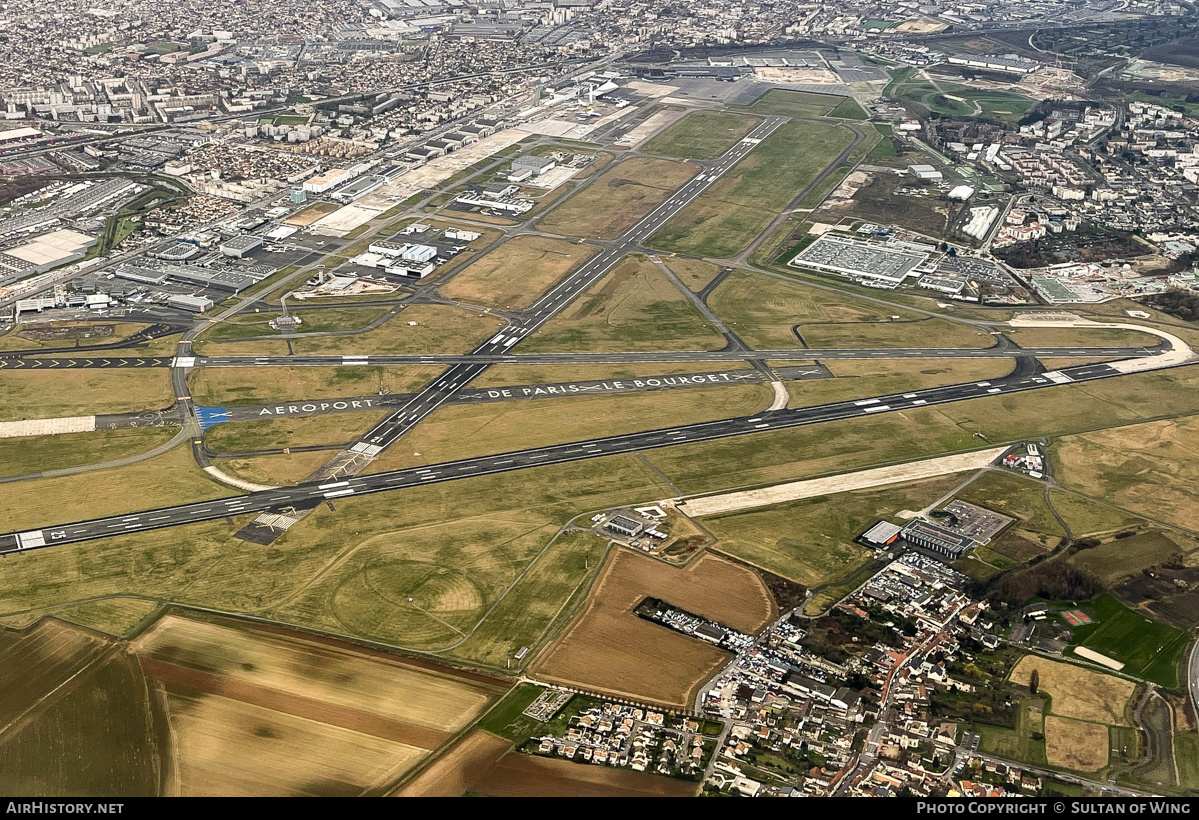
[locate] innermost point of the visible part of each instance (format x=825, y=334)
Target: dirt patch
x=610, y=649
x=1073, y=744
x=518, y=775
x=46, y=332
x=455, y=772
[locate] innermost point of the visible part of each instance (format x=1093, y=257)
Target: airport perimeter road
x=308, y=495
x=390, y=429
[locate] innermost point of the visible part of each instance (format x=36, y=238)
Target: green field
x=231, y=386
x=35, y=454
x=633, y=307
x=618, y=198
x=701, y=135
x=742, y=203
x=290, y=431
x=795, y=103
x=1148, y=649
x=505, y=718
x=848, y=109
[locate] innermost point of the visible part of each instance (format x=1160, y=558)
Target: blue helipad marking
x=211, y=416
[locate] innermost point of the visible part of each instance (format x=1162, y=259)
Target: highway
x=306, y=496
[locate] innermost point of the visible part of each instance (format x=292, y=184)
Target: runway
x=308, y=495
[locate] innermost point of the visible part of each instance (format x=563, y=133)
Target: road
x=492, y=352
x=306, y=496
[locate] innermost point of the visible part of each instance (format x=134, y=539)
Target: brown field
x=1073, y=744
x=1078, y=692
x=517, y=273
x=618, y=198
x=609, y=648
x=456, y=771
x=276, y=470
x=39, y=661
x=310, y=214
x=1147, y=468
x=694, y=273
x=518, y=775
x=228, y=748
x=309, y=672
x=47, y=394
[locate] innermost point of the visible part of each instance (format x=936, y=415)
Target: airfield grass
x=274, y=470
x=863, y=378
x=1146, y=468
x=763, y=311
x=848, y=109
x=742, y=203
x=316, y=573
x=171, y=478
x=43, y=394
x=694, y=273
x=118, y=616
x=35, y=454
x=438, y=329
x=1079, y=337
x=258, y=347
x=517, y=273
x=795, y=103
x=811, y=541
x=1090, y=517
x=1121, y=558
x=618, y=198
x=801, y=452
x=634, y=307
x=464, y=431
x=701, y=135
x=502, y=375
x=232, y=386
x=290, y=431
x=324, y=320
x=1018, y=497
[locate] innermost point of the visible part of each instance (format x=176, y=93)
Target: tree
x=1034, y=681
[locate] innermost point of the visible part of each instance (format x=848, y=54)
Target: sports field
x=1147, y=648
x=701, y=135
x=633, y=307
x=517, y=273
x=618, y=198
x=742, y=203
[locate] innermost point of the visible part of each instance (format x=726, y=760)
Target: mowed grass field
x=517, y=273
x=610, y=649
x=742, y=203
x=231, y=386
x=1147, y=648
x=463, y=431
x=322, y=320
x=273, y=470
x=861, y=378
x=811, y=541
x=1080, y=337
x=437, y=329
x=511, y=374
x=618, y=198
x=324, y=572
x=171, y=478
x=701, y=135
x=48, y=394
x=694, y=273
x=32, y=454
x=633, y=307
x=774, y=314
x=796, y=103
x=290, y=431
